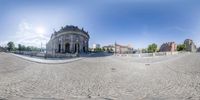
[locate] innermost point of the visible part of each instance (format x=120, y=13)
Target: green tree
x=19, y=47
x=28, y=48
x=181, y=47
x=11, y=46
x=23, y=48
x=103, y=49
x=152, y=48
x=97, y=49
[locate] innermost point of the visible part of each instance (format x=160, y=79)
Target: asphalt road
x=102, y=78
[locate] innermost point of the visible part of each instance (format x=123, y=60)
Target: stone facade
x=109, y=48
x=168, y=47
x=198, y=49
x=119, y=49
x=190, y=46
x=68, y=40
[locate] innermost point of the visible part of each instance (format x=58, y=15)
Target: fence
x=151, y=54
x=44, y=55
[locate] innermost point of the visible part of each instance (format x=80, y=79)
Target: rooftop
x=70, y=28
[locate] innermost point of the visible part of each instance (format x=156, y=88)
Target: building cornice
x=69, y=32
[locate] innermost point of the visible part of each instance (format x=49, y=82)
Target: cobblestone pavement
x=102, y=78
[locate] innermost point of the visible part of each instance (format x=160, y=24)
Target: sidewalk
x=47, y=61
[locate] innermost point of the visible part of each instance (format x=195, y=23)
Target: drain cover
x=147, y=64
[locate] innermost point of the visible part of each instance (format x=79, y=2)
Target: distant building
x=168, y=47
x=96, y=46
x=109, y=48
x=190, y=46
x=143, y=51
x=2, y=49
x=120, y=49
x=69, y=39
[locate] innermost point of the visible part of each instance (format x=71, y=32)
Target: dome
x=70, y=29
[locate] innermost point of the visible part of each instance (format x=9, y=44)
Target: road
x=102, y=78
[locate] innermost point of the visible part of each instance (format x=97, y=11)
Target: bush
x=181, y=47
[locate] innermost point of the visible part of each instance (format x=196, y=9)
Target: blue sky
x=135, y=22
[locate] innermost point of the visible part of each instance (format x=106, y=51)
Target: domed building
x=68, y=40
x=198, y=49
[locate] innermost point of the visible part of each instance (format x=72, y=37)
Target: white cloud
x=3, y=43
x=29, y=35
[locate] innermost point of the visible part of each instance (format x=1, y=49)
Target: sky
x=128, y=22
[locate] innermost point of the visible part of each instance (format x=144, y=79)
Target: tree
x=152, y=48
x=103, y=49
x=11, y=46
x=19, y=47
x=28, y=48
x=97, y=49
x=181, y=47
x=23, y=48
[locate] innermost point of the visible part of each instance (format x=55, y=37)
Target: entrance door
x=77, y=48
x=84, y=49
x=67, y=48
x=59, y=48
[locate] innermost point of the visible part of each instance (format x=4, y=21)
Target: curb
x=44, y=61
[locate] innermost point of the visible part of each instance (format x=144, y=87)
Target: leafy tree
x=28, y=48
x=19, y=47
x=11, y=46
x=181, y=47
x=103, y=49
x=152, y=48
x=97, y=49
x=23, y=48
